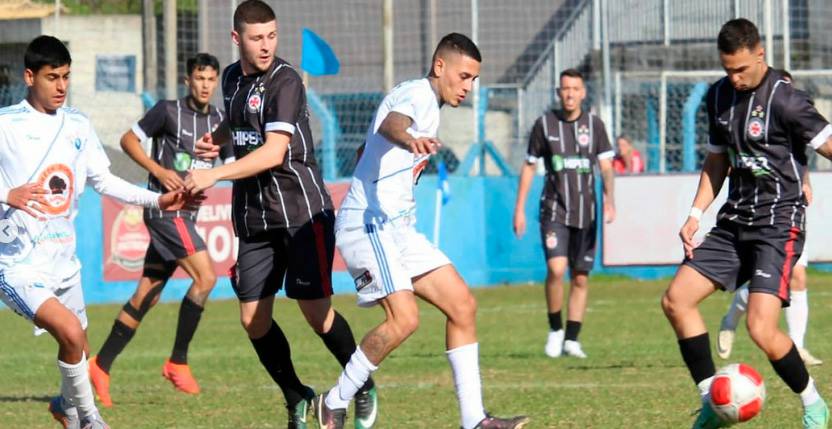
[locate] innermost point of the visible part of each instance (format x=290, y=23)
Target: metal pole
x=666, y=21
x=606, y=113
x=434, y=38
x=235, y=51
x=663, y=124
x=736, y=8
x=596, y=25
x=475, y=102
x=171, y=75
x=617, y=122
x=769, y=32
x=202, y=25
x=387, y=31
x=149, y=52
x=787, y=36
x=57, y=17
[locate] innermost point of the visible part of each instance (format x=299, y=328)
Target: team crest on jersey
x=583, y=135
x=253, y=103
x=551, y=240
x=756, y=123
x=57, y=180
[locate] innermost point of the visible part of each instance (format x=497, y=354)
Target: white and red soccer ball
x=737, y=393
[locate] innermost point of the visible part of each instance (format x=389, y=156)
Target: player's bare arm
x=132, y=146
x=807, y=187
x=394, y=129
x=268, y=156
x=714, y=170
x=608, y=177
x=526, y=178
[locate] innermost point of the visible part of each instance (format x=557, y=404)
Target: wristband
x=4, y=195
x=695, y=213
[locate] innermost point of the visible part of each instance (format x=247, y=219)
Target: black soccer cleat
x=328, y=419
x=298, y=414
x=491, y=422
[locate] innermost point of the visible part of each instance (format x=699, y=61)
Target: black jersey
x=765, y=132
x=287, y=196
x=174, y=127
x=570, y=151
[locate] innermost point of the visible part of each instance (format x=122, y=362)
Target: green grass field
x=634, y=377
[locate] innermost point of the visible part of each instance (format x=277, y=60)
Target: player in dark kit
x=174, y=126
x=570, y=143
x=282, y=212
x=759, y=127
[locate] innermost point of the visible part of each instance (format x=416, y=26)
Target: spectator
x=628, y=160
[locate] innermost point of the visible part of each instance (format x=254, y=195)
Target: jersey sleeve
x=804, y=121
x=602, y=141
x=716, y=141
x=94, y=154
x=227, y=153
x=414, y=103
x=537, y=141
x=284, y=103
x=152, y=124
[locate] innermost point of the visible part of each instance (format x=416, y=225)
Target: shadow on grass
x=25, y=398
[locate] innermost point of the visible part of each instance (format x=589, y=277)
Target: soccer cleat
x=573, y=348
x=100, y=382
x=328, y=419
x=725, y=340
x=707, y=419
x=93, y=422
x=554, y=344
x=298, y=415
x=180, y=376
x=816, y=416
x=366, y=408
x=808, y=359
x=69, y=420
x=491, y=422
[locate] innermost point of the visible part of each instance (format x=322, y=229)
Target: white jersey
x=58, y=152
x=382, y=187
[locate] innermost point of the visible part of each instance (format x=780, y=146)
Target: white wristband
x=695, y=213
x=4, y=195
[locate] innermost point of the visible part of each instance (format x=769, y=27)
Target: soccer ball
x=737, y=393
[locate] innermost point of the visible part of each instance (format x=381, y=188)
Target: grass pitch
x=634, y=377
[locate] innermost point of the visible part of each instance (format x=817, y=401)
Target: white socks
x=75, y=386
x=465, y=365
x=354, y=376
x=797, y=316
x=810, y=394
x=737, y=309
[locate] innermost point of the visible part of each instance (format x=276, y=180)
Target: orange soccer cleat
x=180, y=376
x=100, y=382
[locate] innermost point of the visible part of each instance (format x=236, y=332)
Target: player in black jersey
x=282, y=212
x=759, y=127
x=570, y=142
x=174, y=126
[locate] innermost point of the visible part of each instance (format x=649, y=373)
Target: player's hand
x=686, y=234
x=29, y=198
x=807, y=191
x=519, y=223
x=609, y=212
x=424, y=146
x=180, y=200
x=205, y=147
x=169, y=179
x=199, y=180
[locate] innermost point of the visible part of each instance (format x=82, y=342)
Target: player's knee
x=465, y=309
x=760, y=331
x=406, y=323
x=72, y=337
x=255, y=325
x=205, y=281
x=669, y=305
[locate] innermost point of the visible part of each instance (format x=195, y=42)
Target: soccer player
x=282, y=212
x=48, y=153
x=570, y=142
x=759, y=128
x=174, y=126
x=391, y=262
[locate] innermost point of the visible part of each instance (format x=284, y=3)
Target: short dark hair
x=202, y=60
x=46, y=51
x=459, y=43
x=571, y=73
x=737, y=34
x=252, y=12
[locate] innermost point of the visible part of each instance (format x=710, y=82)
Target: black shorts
x=171, y=239
x=576, y=244
x=761, y=255
x=302, y=257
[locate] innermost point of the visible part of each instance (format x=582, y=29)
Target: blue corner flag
x=317, y=57
x=442, y=183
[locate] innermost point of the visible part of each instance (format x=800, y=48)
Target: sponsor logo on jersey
x=182, y=162
x=77, y=143
x=363, y=280
x=246, y=138
x=129, y=239
x=579, y=163
x=757, y=164
x=201, y=164
x=57, y=180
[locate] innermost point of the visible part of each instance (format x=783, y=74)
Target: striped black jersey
x=287, y=196
x=765, y=132
x=569, y=150
x=174, y=128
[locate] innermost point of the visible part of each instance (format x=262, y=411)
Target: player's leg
x=555, y=239
x=729, y=322
x=797, y=314
x=581, y=260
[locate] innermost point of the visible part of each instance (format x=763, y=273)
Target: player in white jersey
x=48, y=153
x=391, y=262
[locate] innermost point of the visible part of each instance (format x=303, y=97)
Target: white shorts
x=384, y=259
x=24, y=291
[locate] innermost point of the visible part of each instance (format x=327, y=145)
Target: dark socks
x=189, y=315
x=696, y=352
x=573, y=328
x=341, y=344
x=275, y=355
x=792, y=370
x=555, y=323
x=120, y=335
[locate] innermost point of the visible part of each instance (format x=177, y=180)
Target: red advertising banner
x=126, y=238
